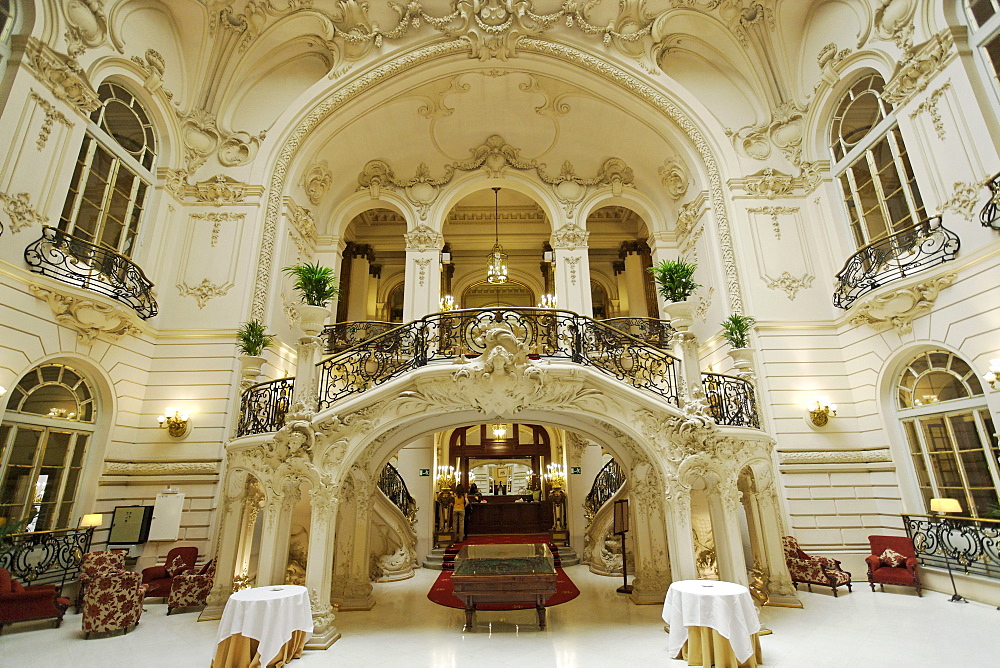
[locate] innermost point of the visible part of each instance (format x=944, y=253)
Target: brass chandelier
x=496, y=261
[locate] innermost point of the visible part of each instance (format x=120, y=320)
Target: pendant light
x=496, y=262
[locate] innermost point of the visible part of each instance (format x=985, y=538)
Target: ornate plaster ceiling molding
x=317, y=182
x=87, y=26
x=125, y=468
x=219, y=190
x=89, y=317
x=873, y=456
x=423, y=239
x=62, y=75
x=302, y=220
x=154, y=65
x=203, y=137
x=570, y=237
x=204, y=291
x=899, y=308
x=919, y=66
x=690, y=213
x=674, y=177
x=769, y=183
x=20, y=212
x=790, y=284
x=894, y=21
x=783, y=131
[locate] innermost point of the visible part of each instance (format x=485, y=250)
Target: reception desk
x=499, y=516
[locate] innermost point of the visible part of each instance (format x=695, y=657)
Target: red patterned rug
x=441, y=591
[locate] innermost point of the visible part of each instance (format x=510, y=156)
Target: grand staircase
x=435, y=558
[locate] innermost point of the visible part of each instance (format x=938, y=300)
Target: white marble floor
x=598, y=629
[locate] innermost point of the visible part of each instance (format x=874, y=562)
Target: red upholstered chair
x=159, y=578
x=887, y=568
x=189, y=589
x=20, y=604
x=813, y=570
x=96, y=564
x=113, y=602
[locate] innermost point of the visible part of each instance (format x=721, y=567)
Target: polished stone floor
x=598, y=629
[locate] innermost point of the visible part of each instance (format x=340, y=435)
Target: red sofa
x=21, y=604
x=159, y=578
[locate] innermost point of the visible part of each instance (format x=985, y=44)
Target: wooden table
x=504, y=574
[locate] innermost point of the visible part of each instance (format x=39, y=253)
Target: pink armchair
x=20, y=604
x=190, y=589
x=887, y=568
x=112, y=603
x=96, y=564
x=159, y=578
x=813, y=570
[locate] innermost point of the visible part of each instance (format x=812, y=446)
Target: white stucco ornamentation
x=204, y=291
x=63, y=76
x=423, y=239
x=570, y=237
x=51, y=116
x=899, y=308
x=873, y=456
x=19, y=211
x=919, y=67
x=88, y=317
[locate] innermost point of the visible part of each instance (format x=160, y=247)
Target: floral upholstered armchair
x=159, y=578
x=19, y=604
x=189, y=589
x=813, y=570
x=96, y=564
x=113, y=602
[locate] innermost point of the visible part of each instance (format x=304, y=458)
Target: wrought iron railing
x=654, y=332
x=990, y=215
x=731, y=400
x=77, y=262
x=46, y=557
x=972, y=545
x=394, y=487
x=343, y=335
x=608, y=481
x=545, y=332
x=918, y=247
x=263, y=407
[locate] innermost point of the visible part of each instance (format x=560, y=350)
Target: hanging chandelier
x=496, y=262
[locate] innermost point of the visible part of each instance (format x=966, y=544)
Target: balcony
x=914, y=249
x=971, y=545
x=343, y=335
x=77, y=262
x=731, y=400
x=263, y=407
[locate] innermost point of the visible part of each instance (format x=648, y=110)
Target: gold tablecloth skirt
x=238, y=651
x=705, y=647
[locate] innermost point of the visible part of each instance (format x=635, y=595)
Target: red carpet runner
x=441, y=591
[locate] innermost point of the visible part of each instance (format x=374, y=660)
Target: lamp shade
x=945, y=506
x=93, y=520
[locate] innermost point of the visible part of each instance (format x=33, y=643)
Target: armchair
x=892, y=561
x=159, y=578
x=189, y=589
x=96, y=564
x=813, y=570
x=113, y=602
x=20, y=604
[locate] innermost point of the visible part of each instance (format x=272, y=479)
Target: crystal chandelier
x=496, y=262
x=499, y=431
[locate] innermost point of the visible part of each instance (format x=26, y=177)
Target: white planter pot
x=742, y=358
x=312, y=318
x=250, y=366
x=681, y=314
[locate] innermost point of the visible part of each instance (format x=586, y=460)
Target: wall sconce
x=820, y=411
x=990, y=376
x=92, y=520
x=175, y=421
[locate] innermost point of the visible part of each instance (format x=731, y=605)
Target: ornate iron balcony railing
x=607, y=482
x=394, y=487
x=263, y=407
x=46, y=557
x=654, y=332
x=990, y=215
x=972, y=545
x=77, y=262
x=546, y=332
x=343, y=335
x=921, y=246
x=731, y=400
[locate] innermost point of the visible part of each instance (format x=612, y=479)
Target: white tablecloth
x=269, y=615
x=723, y=606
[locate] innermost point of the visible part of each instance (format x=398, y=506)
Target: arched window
x=113, y=173
x=949, y=431
x=48, y=424
x=6, y=30
x=984, y=34
x=871, y=165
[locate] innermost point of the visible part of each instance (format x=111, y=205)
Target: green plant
x=316, y=285
x=735, y=329
x=8, y=528
x=675, y=279
x=252, y=338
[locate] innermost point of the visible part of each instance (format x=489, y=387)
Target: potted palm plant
x=252, y=339
x=736, y=332
x=316, y=286
x=675, y=282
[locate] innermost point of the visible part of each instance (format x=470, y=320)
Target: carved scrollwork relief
x=920, y=65
x=783, y=131
x=964, y=197
x=204, y=291
x=570, y=237
x=63, y=76
x=89, y=318
x=930, y=106
x=317, y=182
x=899, y=308
x=789, y=284
x=86, y=26
x=893, y=21
x=674, y=177
x=19, y=211
x=154, y=65
x=52, y=115
x=423, y=239
x=202, y=138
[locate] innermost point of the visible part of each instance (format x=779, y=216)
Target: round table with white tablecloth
x=709, y=620
x=264, y=626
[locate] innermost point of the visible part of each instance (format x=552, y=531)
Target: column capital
x=422, y=238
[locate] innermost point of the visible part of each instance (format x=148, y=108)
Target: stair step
x=435, y=558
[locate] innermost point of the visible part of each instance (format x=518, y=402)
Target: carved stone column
x=780, y=588
x=351, y=583
x=423, y=273
x=228, y=544
x=251, y=509
x=631, y=254
x=572, y=269
x=724, y=506
x=683, y=565
x=319, y=569
x=273, y=558
x=305, y=394
x=361, y=257
x=686, y=348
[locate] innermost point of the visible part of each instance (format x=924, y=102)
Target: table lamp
x=941, y=507
x=92, y=520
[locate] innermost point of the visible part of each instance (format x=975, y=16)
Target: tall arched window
x=871, y=165
x=984, y=34
x=949, y=431
x=113, y=173
x=6, y=30
x=48, y=425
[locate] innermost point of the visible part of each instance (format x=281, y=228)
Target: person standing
x=461, y=501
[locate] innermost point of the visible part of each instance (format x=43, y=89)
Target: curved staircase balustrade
x=921, y=246
x=546, y=332
x=343, y=335
x=655, y=332
x=607, y=482
x=731, y=400
x=394, y=487
x=264, y=405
